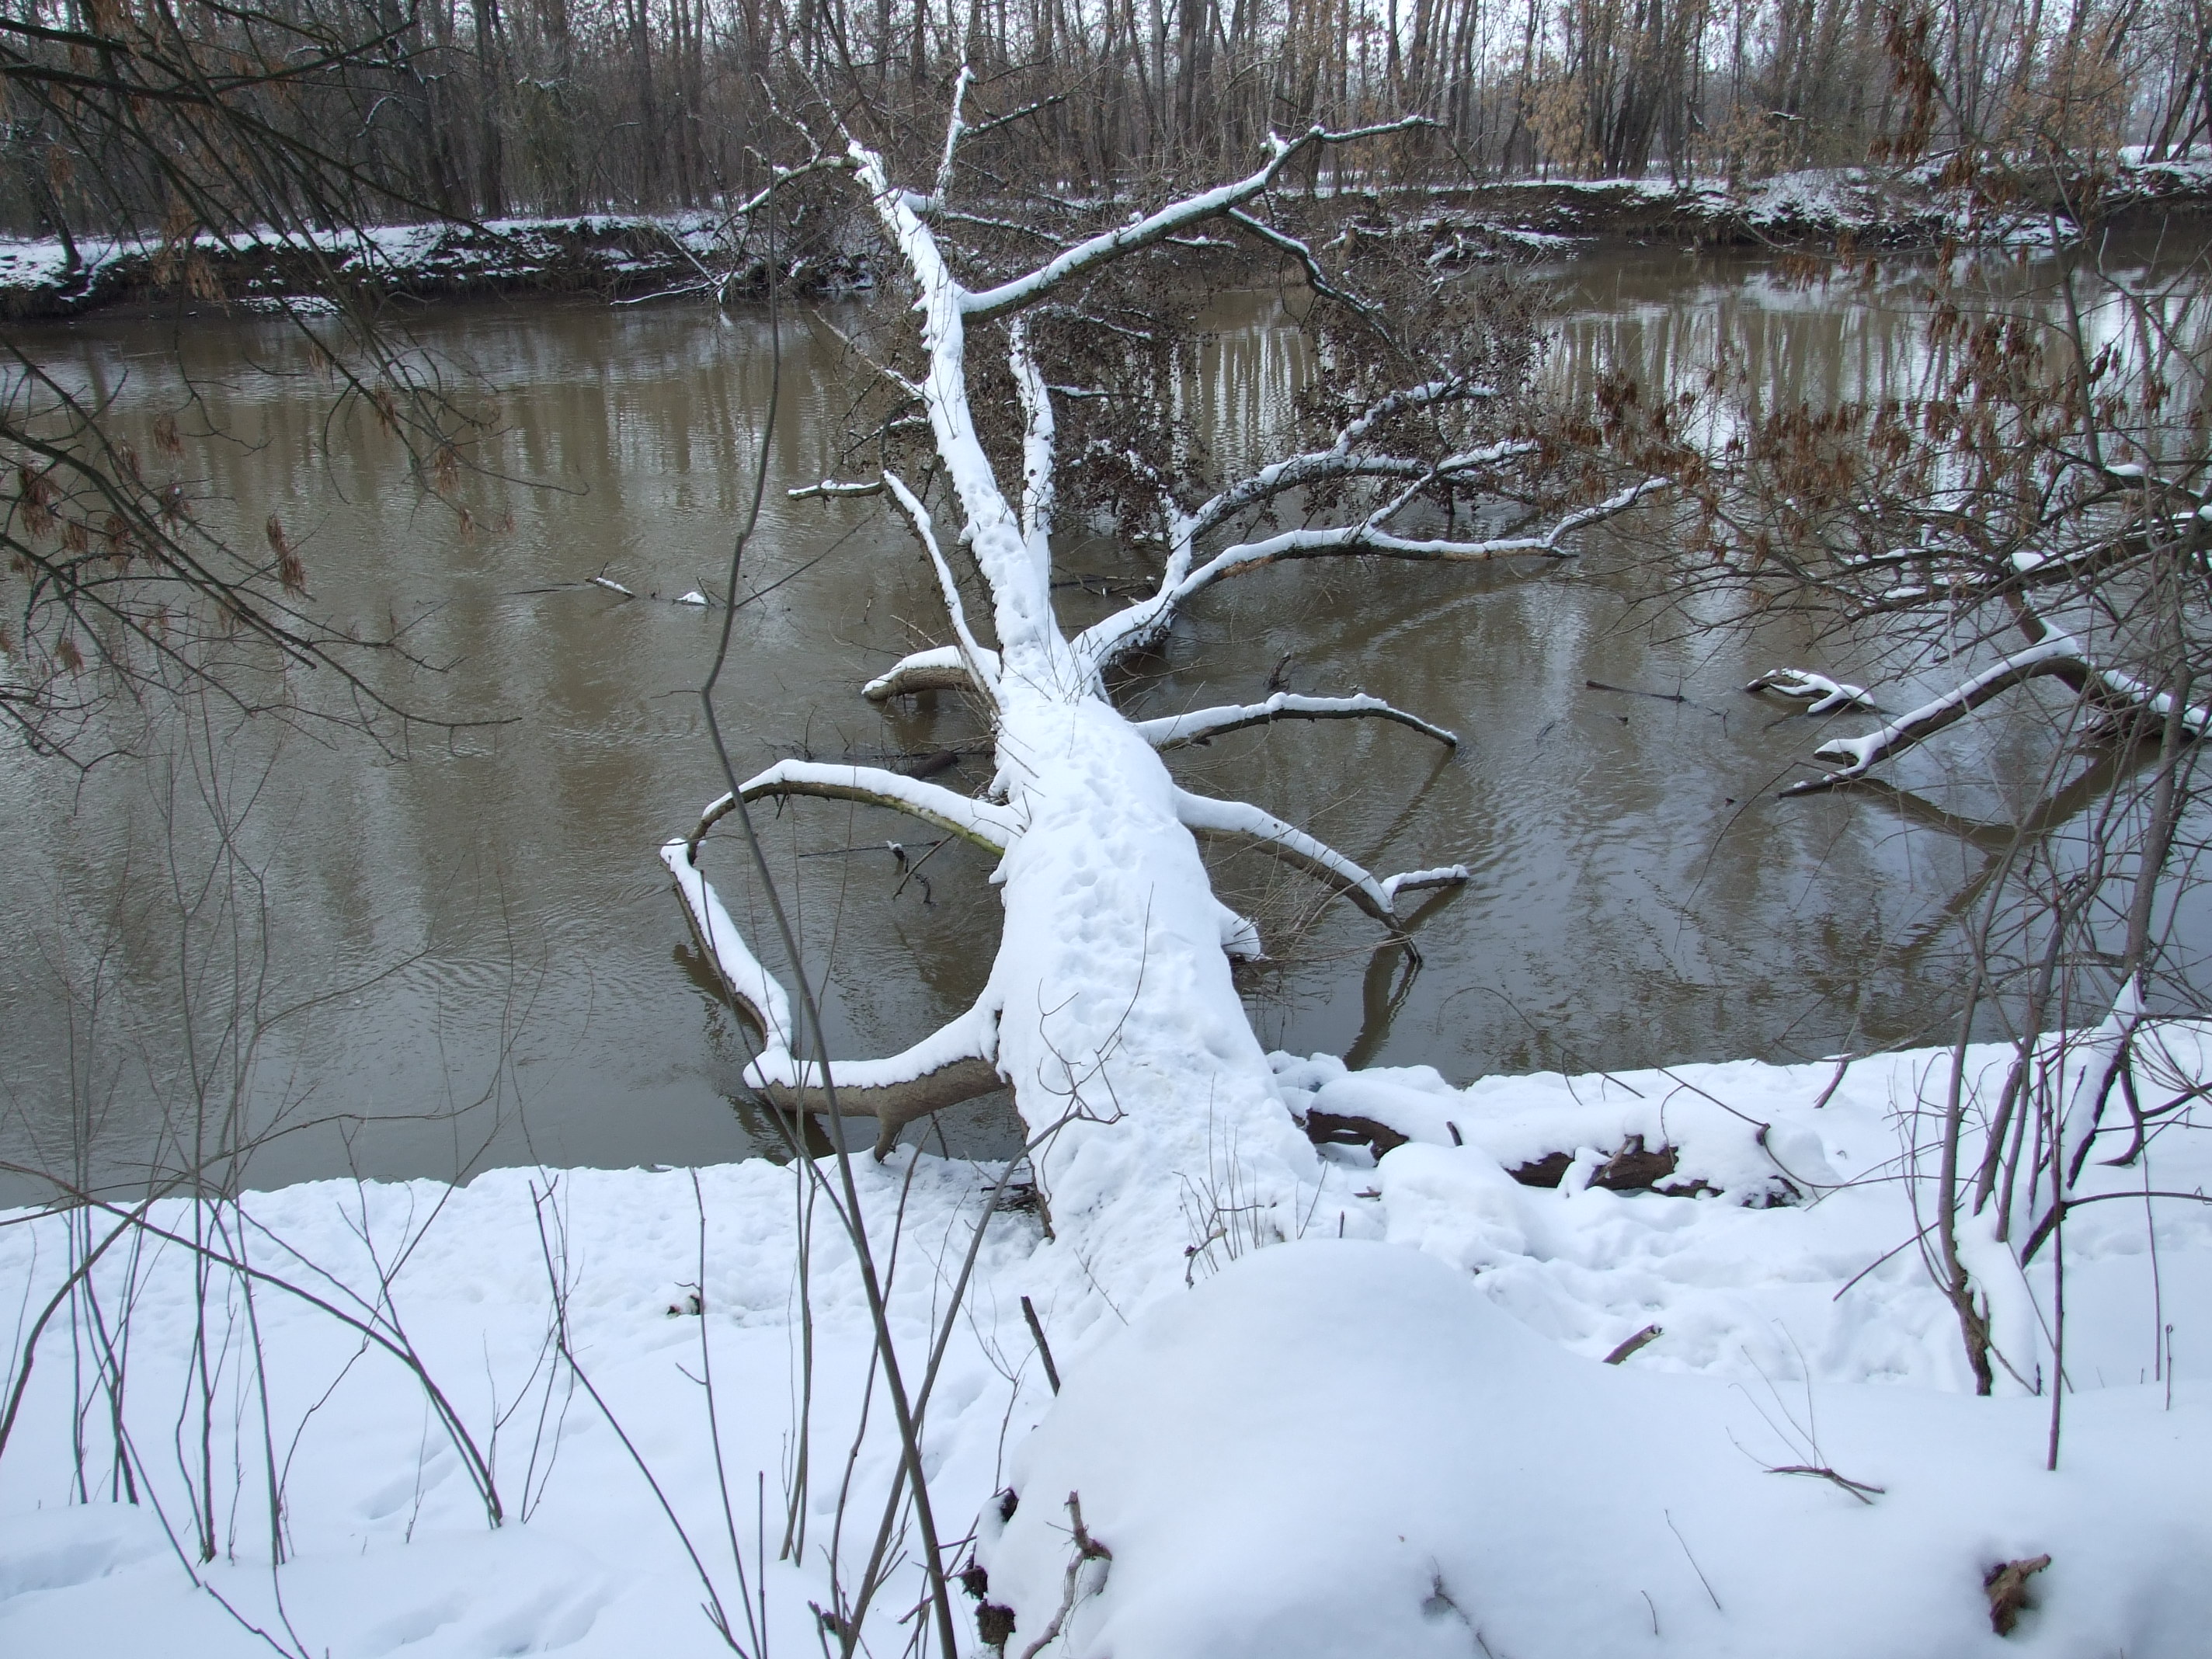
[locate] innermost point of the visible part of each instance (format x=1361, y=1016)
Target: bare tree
x=2032, y=514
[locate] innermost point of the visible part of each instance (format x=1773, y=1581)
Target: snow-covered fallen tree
x=1109, y=1010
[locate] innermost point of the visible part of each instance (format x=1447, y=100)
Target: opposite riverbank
x=640, y=256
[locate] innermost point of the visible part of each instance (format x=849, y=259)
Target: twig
x=1045, y=1348
x=1643, y=1339
x=1859, y=1489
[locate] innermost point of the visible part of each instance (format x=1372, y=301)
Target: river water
x=473, y=954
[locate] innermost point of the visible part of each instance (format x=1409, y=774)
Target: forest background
x=440, y=109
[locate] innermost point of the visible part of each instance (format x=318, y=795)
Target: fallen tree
x=1111, y=1011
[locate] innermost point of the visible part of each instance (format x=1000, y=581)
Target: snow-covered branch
x=952, y=1064
x=1823, y=695
x=939, y=669
x=1144, y=231
x=1029, y=642
x=756, y=991
x=955, y=1062
x=981, y=666
x=1450, y=388
x=1316, y=278
x=989, y=826
x=1172, y=731
x=2113, y=689
x=1415, y=881
x=829, y=488
x=2056, y=655
x=1143, y=622
x=1206, y=816
x=954, y=128
x=1037, y=441
x=779, y=177
x=1368, y=537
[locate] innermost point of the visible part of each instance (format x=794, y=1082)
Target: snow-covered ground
x=268, y=270
x=677, y=251
x=1394, y=1435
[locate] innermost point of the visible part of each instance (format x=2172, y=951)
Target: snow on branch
x=1037, y=442
x=1142, y=623
x=1368, y=537
x=2057, y=655
x=751, y=986
x=1449, y=389
x=2117, y=690
x=1206, y=816
x=1143, y=232
x=993, y=828
x=1029, y=642
x=955, y=1062
x=954, y=127
x=1414, y=881
x=1316, y=278
x=779, y=177
x=833, y=487
x=981, y=666
x=1801, y=685
x=1173, y=731
x=942, y=669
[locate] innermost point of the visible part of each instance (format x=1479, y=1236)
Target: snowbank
x=1325, y=1447
x=270, y=271
x=1347, y=1449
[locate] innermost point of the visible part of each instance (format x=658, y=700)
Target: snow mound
x=1722, y=1140
x=1339, y=1449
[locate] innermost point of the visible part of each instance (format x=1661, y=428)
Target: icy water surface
x=478, y=949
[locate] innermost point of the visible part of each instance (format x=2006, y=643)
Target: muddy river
x=467, y=953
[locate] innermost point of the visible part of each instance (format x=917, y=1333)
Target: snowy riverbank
x=1405, y=1442
x=635, y=254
